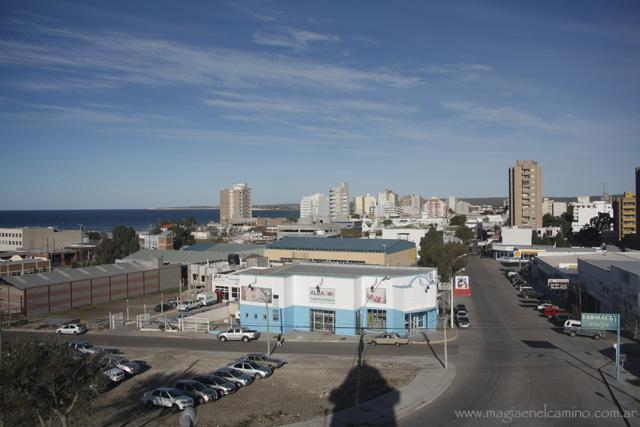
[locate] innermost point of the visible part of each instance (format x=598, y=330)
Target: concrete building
x=547, y=207
x=163, y=240
x=61, y=290
x=10, y=239
x=451, y=203
x=411, y=205
x=19, y=267
x=413, y=235
x=462, y=208
x=434, y=208
x=39, y=238
x=339, y=209
x=583, y=200
x=365, y=205
x=624, y=215
x=559, y=208
x=336, y=299
x=235, y=203
x=525, y=194
x=638, y=202
x=388, y=204
x=330, y=229
x=516, y=236
x=314, y=208
x=582, y=213
x=343, y=250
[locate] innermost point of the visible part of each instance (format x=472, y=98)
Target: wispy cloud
x=292, y=38
x=126, y=59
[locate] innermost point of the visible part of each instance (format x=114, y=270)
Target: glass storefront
x=377, y=319
x=323, y=320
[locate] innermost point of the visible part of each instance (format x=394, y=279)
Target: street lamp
x=361, y=346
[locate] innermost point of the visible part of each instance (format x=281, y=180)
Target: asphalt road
x=511, y=360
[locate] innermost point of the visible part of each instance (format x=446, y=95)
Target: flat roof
x=627, y=261
x=74, y=274
x=340, y=244
x=223, y=247
x=189, y=257
x=336, y=270
x=23, y=261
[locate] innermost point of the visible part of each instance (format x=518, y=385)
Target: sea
x=106, y=219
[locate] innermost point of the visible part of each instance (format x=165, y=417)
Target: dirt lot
x=306, y=387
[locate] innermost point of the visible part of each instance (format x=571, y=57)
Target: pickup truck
x=188, y=305
x=239, y=334
x=573, y=328
x=207, y=298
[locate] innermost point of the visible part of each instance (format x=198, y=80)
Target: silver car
x=233, y=375
x=217, y=383
x=121, y=362
x=197, y=391
x=168, y=397
x=251, y=368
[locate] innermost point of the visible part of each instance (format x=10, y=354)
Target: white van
x=207, y=298
x=572, y=323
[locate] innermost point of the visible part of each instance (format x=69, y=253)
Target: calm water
x=106, y=219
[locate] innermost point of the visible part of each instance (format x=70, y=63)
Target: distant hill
x=497, y=201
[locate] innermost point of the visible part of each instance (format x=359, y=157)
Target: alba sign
x=323, y=295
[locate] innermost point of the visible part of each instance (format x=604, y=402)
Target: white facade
x=339, y=202
x=414, y=235
x=462, y=207
x=388, y=204
x=547, y=207
x=314, y=208
x=434, y=208
x=583, y=200
x=559, y=208
x=582, y=213
x=337, y=298
x=451, y=203
x=516, y=236
x=10, y=239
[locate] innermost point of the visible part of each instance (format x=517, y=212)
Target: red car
x=551, y=311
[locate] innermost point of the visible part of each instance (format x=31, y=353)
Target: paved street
x=511, y=359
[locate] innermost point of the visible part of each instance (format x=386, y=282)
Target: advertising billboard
x=322, y=295
x=561, y=284
x=378, y=296
x=461, y=286
x=255, y=294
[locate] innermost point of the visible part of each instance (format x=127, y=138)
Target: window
x=195, y=277
x=235, y=294
x=377, y=319
x=255, y=316
x=246, y=314
x=276, y=316
x=264, y=317
x=202, y=279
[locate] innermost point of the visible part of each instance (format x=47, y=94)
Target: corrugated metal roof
x=337, y=270
x=342, y=244
x=189, y=257
x=223, y=247
x=72, y=274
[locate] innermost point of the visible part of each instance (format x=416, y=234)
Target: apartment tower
x=624, y=215
x=235, y=203
x=339, y=209
x=525, y=194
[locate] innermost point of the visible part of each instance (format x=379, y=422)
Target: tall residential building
x=451, y=203
x=365, y=205
x=339, y=202
x=388, y=204
x=235, y=203
x=559, y=208
x=525, y=194
x=638, y=202
x=411, y=204
x=582, y=213
x=314, y=208
x=435, y=208
x=624, y=215
x=547, y=207
x=583, y=200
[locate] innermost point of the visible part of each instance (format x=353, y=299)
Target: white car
x=168, y=397
x=72, y=329
x=544, y=305
x=115, y=374
x=83, y=347
x=188, y=305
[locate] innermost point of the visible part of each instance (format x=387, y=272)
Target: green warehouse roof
x=387, y=246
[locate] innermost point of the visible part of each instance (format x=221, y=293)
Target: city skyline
x=124, y=106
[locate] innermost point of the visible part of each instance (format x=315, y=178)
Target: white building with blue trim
x=336, y=298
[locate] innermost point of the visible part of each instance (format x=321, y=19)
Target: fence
x=144, y=322
x=116, y=320
x=195, y=324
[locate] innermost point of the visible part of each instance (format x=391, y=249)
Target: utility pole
x=268, y=330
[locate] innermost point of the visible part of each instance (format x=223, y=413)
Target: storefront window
x=377, y=319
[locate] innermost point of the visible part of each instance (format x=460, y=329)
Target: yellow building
x=624, y=215
x=343, y=250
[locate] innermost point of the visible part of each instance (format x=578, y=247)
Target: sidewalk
x=625, y=394
x=387, y=409
x=430, y=337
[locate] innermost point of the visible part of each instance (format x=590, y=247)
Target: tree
x=435, y=253
x=124, y=242
x=544, y=240
x=602, y=223
x=94, y=236
x=182, y=236
x=350, y=232
x=41, y=381
x=598, y=231
x=458, y=220
x=155, y=230
x=430, y=245
x=464, y=233
x=560, y=241
x=450, y=259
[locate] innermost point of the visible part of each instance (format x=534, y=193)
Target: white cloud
x=291, y=38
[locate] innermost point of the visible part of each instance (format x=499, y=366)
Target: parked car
x=207, y=298
x=561, y=317
x=161, y=308
x=234, y=376
x=197, y=391
x=263, y=359
x=121, y=362
x=389, y=338
x=239, y=334
x=168, y=397
x=543, y=304
x=220, y=384
x=72, y=329
x=461, y=307
x=115, y=374
x=550, y=311
x=83, y=347
x=188, y=305
x=251, y=368
x=463, y=322
x=461, y=313
x=574, y=327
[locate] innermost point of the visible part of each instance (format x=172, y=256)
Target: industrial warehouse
x=61, y=290
x=335, y=298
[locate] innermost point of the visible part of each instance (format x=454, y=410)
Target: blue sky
x=144, y=104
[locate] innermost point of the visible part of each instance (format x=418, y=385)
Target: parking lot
x=302, y=389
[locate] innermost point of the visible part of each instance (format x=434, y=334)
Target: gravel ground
x=305, y=388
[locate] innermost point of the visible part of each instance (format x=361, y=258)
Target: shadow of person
x=377, y=400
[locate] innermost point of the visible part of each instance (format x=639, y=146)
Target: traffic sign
x=600, y=321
